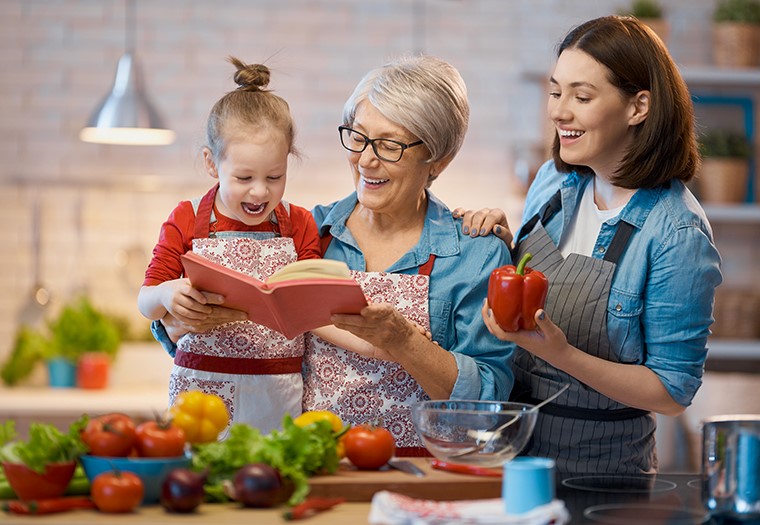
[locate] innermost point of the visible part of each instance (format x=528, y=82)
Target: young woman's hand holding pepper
x=547, y=341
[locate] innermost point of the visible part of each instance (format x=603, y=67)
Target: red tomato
x=158, y=439
x=369, y=448
x=117, y=491
x=110, y=435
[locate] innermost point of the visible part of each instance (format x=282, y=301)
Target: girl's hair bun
x=250, y=77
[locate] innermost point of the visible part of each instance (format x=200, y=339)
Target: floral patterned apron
x=255, y=370
x=361, y=389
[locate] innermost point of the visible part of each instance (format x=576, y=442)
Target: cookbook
x=299, y=297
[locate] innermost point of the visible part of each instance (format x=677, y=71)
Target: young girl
x=244, y=224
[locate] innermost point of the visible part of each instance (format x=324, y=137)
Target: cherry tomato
x=110, y=435
x=369, y=448
x=159, y=439
x=117, y=491
x=202, y=416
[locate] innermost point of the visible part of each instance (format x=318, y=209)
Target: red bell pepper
x=515, y=294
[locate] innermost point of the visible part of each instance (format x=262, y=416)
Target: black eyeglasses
x=385, y=149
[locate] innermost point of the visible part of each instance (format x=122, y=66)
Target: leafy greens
x=297, y=453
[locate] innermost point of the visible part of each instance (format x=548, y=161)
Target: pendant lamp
x=126, y=115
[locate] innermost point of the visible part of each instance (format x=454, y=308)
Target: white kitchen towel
x=389, y=508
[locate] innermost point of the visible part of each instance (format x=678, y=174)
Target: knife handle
x=461, y=468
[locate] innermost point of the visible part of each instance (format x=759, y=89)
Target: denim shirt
x=458, y=286
x=661, y=298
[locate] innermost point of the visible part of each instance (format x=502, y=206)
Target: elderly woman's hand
x=483, y=222
x=383, y=327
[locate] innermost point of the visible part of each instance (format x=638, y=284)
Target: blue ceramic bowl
x=152, y=471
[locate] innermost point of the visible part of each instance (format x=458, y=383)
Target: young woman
x=627, y=250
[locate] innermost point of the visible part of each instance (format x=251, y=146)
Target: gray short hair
x=424, y=94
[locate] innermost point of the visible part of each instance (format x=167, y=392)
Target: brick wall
x=101, y=206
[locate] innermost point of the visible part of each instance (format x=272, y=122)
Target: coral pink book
x=299, y=297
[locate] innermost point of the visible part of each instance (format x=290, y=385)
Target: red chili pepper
x=47, y=506
x=459, y=468
x=311, y=506
x=515, y=294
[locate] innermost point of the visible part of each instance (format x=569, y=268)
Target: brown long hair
x=248, y=109
x=665, y=144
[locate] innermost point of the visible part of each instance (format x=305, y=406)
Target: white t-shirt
x=580, y=236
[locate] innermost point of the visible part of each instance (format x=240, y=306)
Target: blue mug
x=528, y=483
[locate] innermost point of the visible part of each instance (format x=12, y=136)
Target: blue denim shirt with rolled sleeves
x=458, y=286
x=661, y=298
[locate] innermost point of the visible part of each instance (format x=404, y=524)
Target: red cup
x=92, y=371
x=31, y=485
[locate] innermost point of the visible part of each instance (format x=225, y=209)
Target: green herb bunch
x=645, y=9
x=724, y=144
x=746, y=11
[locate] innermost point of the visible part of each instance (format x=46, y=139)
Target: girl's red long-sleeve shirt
x=176, y=238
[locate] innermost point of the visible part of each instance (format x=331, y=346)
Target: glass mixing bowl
x=483, y=433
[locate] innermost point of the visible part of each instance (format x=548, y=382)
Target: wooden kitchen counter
x=208, y=513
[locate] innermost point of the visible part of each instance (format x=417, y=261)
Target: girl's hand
x=183, y=301
x=484, y=221
x=383, y=327
x=218, y=316
x=547, y=341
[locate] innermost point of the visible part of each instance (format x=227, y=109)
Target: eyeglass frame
x=369, y=141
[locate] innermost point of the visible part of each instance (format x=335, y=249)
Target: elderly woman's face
x=384, y=186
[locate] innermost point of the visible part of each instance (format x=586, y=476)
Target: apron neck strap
x=203, y=215
x=619, y=242
x=545, y=213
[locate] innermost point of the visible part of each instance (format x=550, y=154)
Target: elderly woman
x=402, y=126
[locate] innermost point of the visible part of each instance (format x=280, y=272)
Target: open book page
x=311, y=269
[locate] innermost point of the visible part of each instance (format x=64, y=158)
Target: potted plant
x=723, y=177
x=80, y=339
x=736, y=33
x=650, y=12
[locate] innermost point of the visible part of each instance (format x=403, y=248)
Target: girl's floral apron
x=255, y=370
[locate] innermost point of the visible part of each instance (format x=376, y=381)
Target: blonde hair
x=249, y=109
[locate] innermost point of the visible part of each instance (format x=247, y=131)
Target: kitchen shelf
x=712, y=76
x=741, y=213
x=734, y=348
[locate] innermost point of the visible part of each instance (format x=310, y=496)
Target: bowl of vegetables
x=152, y=471
x=42, y=466
x=150, y=450
x=29, y=484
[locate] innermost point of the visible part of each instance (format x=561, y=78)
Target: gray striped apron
x=583, y=430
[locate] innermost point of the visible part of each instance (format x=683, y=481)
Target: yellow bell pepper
x=202, y=416
x=307, y=418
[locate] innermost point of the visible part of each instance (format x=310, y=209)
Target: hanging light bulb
x=126, y=115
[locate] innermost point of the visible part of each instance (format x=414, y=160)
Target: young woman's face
x=251, y=175
x=384, y=186
x=591, y=116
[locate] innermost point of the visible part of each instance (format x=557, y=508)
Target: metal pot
x=731, y=466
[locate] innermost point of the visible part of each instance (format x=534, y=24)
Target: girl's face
x=251, y=175
x=592, y=117
x=382, y=186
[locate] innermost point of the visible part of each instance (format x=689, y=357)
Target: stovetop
x=666, y=499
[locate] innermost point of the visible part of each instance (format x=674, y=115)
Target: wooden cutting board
x=361, y=485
